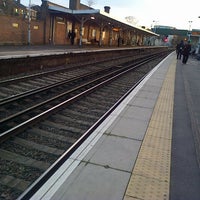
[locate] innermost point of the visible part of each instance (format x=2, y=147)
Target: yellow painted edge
x=150, y=178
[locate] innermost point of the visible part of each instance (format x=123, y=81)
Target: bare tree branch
x=90, y=2
x=131, y=20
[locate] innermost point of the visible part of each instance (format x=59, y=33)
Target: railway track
x=23, y=105
x=32, y=142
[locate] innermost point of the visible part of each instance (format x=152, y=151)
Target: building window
x=83, y=30
x=103, y=35
x=94, y=33
x=15, y=25
x=69, y=26
x=33, y=14
x=60, y=19
x=16, y=11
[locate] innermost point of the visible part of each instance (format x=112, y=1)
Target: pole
x=155, y=25
x=189, y=34
x=29, y=23
x=81, y=32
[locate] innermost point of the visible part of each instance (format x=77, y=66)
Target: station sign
x=195, y=33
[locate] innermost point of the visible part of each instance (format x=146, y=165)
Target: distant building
x=11, y=7
x=170, y=36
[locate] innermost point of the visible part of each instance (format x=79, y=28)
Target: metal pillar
x=29, y=23
x=189, y=33
x=101, y=34
x=81, y=31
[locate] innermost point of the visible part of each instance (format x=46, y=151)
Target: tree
x=90, y=2
x=131, y=20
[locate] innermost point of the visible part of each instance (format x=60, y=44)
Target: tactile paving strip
x=151, y=174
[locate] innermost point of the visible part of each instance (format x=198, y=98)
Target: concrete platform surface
x=145, y=149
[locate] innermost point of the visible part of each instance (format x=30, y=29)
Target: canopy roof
x=100, y=17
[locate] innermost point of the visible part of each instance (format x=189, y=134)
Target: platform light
x=116, y=29
x=92, y=17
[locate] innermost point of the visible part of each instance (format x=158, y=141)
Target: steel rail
x=14, y=116
x=51, y=170
x=44, y=88
x=22, y=126
x=59, y=70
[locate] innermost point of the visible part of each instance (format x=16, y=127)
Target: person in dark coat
x=179, y=49
x=71, y=36
x=186, y=52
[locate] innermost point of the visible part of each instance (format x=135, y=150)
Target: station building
x=79, y=24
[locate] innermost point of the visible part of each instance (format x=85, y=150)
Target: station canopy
x=101, y=18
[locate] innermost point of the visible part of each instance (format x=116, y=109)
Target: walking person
x=179, y=49
x=186, y=52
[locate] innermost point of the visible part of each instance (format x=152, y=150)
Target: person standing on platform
x=186, y=52
x=179, y=49
x=72, y=36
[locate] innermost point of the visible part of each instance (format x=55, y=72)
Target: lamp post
x=155, y=24
x=198, y=48
x=189, y=33
x=29, y=23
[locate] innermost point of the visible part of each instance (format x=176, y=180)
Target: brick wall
x=14, y=31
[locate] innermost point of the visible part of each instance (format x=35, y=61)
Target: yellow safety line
x=151, y=174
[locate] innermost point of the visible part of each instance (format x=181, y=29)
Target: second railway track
x=42, y=137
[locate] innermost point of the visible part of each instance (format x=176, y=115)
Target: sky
x=175, y=13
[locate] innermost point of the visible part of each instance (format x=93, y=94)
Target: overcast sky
x=175, y=13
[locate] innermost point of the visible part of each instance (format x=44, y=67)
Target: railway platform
x=45, y=50
x=9, y=52
x=24, y=51
x=147, y=149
